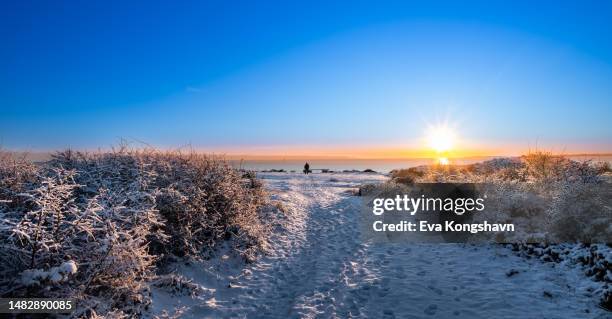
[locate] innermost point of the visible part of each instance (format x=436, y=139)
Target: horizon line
x=279, y=156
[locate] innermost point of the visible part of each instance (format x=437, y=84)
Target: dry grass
x=116, y=217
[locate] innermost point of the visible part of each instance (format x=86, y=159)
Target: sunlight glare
x=440, y=138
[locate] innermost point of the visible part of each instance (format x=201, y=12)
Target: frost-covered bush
x=205, y=200
x=95, y=226
x=16, y=173
x=407, y=176
x=581, y=212
x=548, y=197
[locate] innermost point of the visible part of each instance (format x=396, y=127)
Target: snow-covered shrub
x=548, y=197
x=603, y=167
x=95, y=226
x=581, y=212
x=205, y=200
x=16, y=173
x=44, y=224
x=406, y=176
x=198, y=199
x=93, y=249
x=508, y=202
x=547, y=169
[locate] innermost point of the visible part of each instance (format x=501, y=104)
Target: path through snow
x=318, y=266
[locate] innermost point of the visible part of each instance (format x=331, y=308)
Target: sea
x=378, y=165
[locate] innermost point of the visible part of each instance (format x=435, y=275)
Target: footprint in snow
x=431, y=310
x=436, y=290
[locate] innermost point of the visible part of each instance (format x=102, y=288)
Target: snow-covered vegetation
x=560, y=207
x=99, y=226
x=550, y=198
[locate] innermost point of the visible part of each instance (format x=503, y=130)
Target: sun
x=440, y=138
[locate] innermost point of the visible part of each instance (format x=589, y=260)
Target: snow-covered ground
x=318, y=266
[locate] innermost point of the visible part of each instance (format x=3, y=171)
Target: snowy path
x=319, y=267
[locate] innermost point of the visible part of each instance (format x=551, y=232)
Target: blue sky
x=268, y=76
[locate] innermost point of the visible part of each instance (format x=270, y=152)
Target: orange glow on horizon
x=415, y=149
x=311, y=152
x=388, y=152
